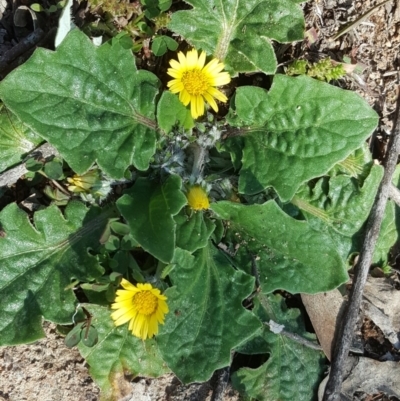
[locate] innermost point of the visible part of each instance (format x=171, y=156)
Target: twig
x=26, y=43
x=279, y=329
x=47, y=42
x=11, y=176
x=394, y=194
x=355, y=23
x=344, y=333
x=199, y=156
x=222, y=382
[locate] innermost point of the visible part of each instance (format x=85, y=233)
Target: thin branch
x=344, y=333
x=358, y=21
x=279, y=329
x=26, y=43
x=222, y=378
x=394, y=194
x=12, y=175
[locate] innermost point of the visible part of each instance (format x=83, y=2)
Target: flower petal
x=152, y=326
x=174, y=73
x=192, y=58
x=222, y=78
x=213, y=67
x=210, y=100
x=127, y=285
x=217, y=94
x=202, y=60
x=175, y=65
x=184, y=97
x=182, y=60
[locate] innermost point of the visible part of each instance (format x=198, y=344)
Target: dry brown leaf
x=324, y=311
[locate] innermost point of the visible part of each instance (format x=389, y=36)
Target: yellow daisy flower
x=142, y=305
x=197, y=198
x=84, y=182
x=196, y=83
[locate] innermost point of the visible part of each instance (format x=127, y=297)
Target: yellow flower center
x=195, y=82
x=145, y=302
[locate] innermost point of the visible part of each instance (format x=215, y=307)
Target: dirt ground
x=48, y=371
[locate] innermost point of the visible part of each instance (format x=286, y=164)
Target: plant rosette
x=199, y=217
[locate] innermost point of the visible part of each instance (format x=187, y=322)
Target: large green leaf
x=90, y=103
x=297, y=131
x=293, y=371
x=289, y=254
x=118, y=353
x=207, y=319
x=16, y=139
x=239, y=32
x=148, y=208
x=38, y=263
x=338, y=207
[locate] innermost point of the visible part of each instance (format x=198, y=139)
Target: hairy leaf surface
x=288, y=254
x=117, y=354
x=206, y=319
x=16, y=139
x=38, y=262
x=193, y=232
x=297, y=131
x=92, y=104
x=239, y=32
x=148, y=208
x=293, y=371
x=338, y=207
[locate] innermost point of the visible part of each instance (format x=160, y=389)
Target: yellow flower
x=196, y=83
x=142, y=305
x=84, y=182
x=197, y=198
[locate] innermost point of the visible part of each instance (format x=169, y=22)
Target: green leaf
x=38, y=263
x=112, y=243
x=193, y=232
x=289, y=254
x=358, y=164
x=164, y=5
x=54, y=169
x=118, y=353
x=162, y=43
x=148, y=209
x=297, y=131
x=89, y=336
x=95, y=107
x=123, y=39
x=293, y=371
x=96, y=293
x=120, y=228
x=388, y=235
x=16, y=139
x=159, y=46
x=74, y=336
x=33, y=165
x=235, y=31
x=206, y=314
x=37, y=7
x=171, y=112
x=338, y=207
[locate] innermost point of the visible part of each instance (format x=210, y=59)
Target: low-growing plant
x=205, y=200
